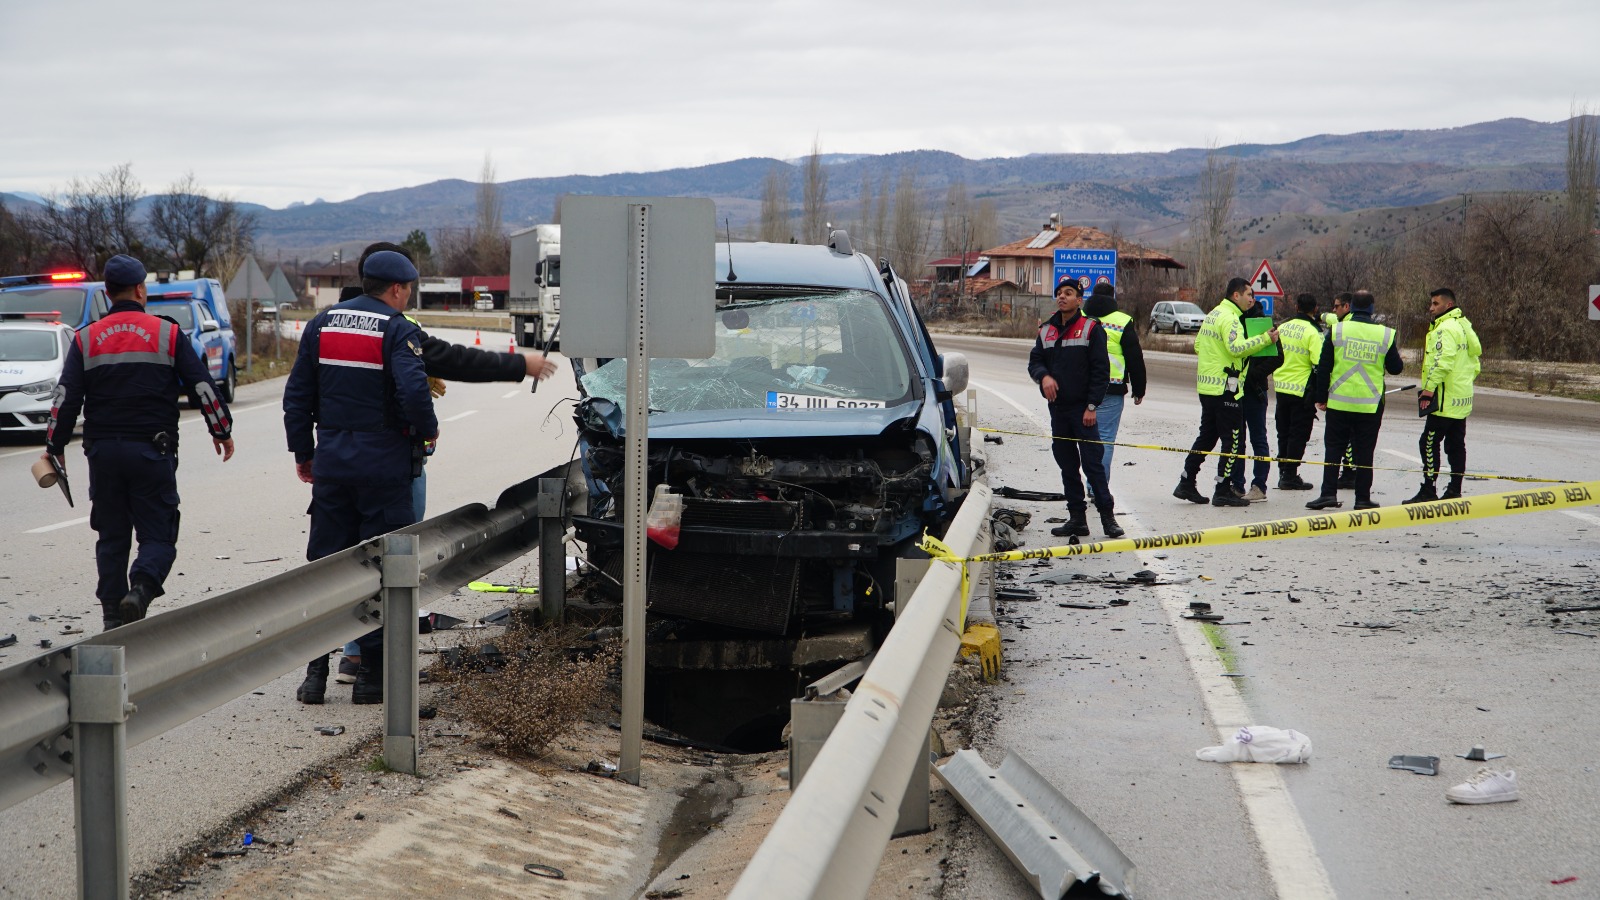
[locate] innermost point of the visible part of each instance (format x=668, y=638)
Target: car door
x=210, y=343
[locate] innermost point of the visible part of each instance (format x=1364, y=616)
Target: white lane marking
x=244, y=409
x=461, y=415
x=509, y=394
x=36, y=451
x=1286, y=847
x=1583, y=517
x=57, y=526
x=1405, y=456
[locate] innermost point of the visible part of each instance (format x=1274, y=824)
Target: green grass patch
x=378, y=766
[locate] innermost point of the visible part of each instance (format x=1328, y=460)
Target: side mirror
x=956, y=372
x=209, y=325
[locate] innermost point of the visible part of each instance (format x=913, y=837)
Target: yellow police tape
x=1481, y=476
x=1482, y=506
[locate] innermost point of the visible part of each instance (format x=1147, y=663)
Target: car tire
x=229, y=382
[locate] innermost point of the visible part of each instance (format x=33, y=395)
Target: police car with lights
x=32, y=354
x=65, y=297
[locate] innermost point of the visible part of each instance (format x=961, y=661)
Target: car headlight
x=39, y=388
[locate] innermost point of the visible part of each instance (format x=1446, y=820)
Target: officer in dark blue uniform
x=359, y=384
x=125, y=372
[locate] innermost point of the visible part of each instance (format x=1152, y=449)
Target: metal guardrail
x=829, y=839
x=190, y=660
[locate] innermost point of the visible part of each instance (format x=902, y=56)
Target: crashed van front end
x=810, y=451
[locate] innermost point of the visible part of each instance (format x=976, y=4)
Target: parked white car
x=1174, y=316
x=32, y=355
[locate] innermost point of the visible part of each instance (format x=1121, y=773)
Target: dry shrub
x=542, y=684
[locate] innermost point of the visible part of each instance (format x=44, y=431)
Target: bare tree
x=814, y=197
x=985, y=225
x=1212, y=207
x=491, y=247
x=93, y=221
x=912, y=228
x=1583, y=167
x=455, y=251
x=880, y=218
x=863, y=228
x=775, y=225
x=193, y=230
x=23, y=245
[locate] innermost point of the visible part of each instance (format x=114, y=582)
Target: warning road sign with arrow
x=1594, y=301
x=1264, y=282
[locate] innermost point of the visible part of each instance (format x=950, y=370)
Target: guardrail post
x=99, y=708
x=972, y=409
x=552, y=552
x=402, y=575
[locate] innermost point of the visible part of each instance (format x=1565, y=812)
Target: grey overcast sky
x=292, y=100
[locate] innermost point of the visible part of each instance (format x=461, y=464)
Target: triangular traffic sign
x=1264, y=282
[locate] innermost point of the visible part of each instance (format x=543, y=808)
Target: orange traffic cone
x=513, y=347
x=477, y=339
x=297, y=326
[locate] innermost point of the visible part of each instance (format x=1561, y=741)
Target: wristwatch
x=1091, y=407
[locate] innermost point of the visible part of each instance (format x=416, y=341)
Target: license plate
x=778, y=400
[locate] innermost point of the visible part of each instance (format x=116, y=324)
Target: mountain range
x=1319, y=185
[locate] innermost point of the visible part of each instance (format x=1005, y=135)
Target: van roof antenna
x=728, y=231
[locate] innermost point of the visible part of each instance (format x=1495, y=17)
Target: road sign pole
x=98, y=708
x=637, y=424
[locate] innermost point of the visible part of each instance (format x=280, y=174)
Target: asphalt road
x=242, y=521
x=1111, y=704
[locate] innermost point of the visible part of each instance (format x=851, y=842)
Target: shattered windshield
x=816, y=351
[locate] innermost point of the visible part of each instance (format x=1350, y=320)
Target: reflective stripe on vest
x=1359, y=349
x=128, y=338
x=1296, y=338
x=1078, y=336
x=1114, y=323
x=352, y=338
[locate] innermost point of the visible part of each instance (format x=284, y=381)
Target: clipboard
x=1258, y=325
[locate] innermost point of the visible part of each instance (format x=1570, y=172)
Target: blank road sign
x=597, y=243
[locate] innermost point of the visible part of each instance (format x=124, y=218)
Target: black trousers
x=1221, y=419
x=343, y=515
x=1451, y=434
x=1066, y=421
x=133, y=490
x=1294, y=417
x=1357, y=433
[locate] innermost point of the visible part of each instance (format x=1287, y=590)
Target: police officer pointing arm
x=356, y=411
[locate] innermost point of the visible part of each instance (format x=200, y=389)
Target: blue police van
x=200, y=308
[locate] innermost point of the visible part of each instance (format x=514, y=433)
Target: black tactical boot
x=1453, y=491
x=111, y=614
x=1324, y=502
x=1108, y=522
x=1291, y=481
x=137, y=602
x=1225, y=495
x=1077, y=525
x=368, y=688
x=1424, y=494
x=1366, y=504
x=1187, y=491
x=314, y=690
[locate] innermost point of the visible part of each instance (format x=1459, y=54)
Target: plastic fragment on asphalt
x=330, y=730
x=1422, y=765
x=1478, y=754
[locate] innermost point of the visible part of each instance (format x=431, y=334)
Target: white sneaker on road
x=1485, y=786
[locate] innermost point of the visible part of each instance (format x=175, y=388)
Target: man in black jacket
x=1127, y=363
x=1070, y=364
x=1254, y=404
